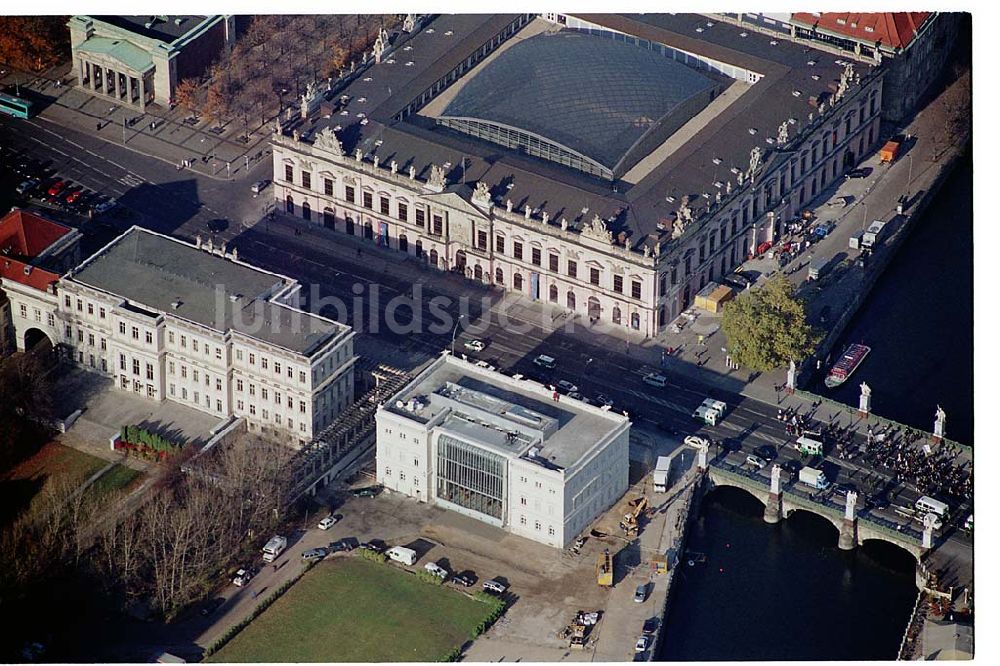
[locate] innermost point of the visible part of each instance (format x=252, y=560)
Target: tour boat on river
x=846, y=365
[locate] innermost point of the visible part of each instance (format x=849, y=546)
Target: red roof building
x=893, y=31
x=32, y=249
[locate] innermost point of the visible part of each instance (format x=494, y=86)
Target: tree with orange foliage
x=33, y=43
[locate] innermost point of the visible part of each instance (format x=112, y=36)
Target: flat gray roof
x=564, y=431
x=163, y=28
x=155, y=272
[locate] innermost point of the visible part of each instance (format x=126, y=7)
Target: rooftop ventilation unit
x=815, y=77
x=179, y=20
x=734, y=170
x=709, y=24
x=743, y=34
x=367, y=79
x=770, y=140
x=364, y=121
x=699, y=30
x=429, y=31
x=774, y=42
x=716, y=161
x=176, y=304
x=670, y=198
x=718, y=184
x=409, y=63
x=811, y=63
x=752, y=130
x=796, y=93
x=449, y=33
x=407, y=48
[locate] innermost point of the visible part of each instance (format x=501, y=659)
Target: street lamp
x=864, y=221
x=455, y=333
x=909, y=173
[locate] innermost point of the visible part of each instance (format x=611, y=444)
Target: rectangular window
x=90, y=339
x=170, y=337
x=263, y=392
x=617, y=283
x=104, y=344
x=103, y=313
x=68, y=301
x=349, y=193
x=518, y=250
x=636, y=289
x=571, y=268
x=438, y=228
x=239, y=354
x=195, y=373
x=277, y=368
x=184, y=371
x=402, y=212
x=328, y=187
x=121, y=361
x=184, y=341
x=149, y=371
x=302, y=377
x=135, y=366
x=366, y=199
x=499, y=244
x=307, y=180
x=79, y=305
x=536, y=256
x=79, y=334
x=420, y=216
x=383, y=205
x=302, y=407
x=149, y=337
x=218, y=405
x=289, y=173
x=554, y=263
x=121, y=327
x=253, y=359
x=595, y=276
x=90, y=309
x=239, y=386
x=24, y=311
x=482, y=240
x=263, y=363
x=51, y=318
x=194, y=345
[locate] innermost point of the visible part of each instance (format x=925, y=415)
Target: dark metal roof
x=594, y=96
x=164, y=28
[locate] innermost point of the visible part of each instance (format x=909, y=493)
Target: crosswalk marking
x=659, y=401
x=131, y=180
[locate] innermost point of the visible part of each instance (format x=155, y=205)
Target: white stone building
x=505, y=451
x=193, y=324
x=563, y=200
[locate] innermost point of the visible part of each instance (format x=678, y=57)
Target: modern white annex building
x=192, y=324
x=506, y=451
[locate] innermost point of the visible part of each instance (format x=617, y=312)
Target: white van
x=402, y=555
x=930, y=505
x=706, y=415
x=544, y=361
x=274, y=547
x=809, y=446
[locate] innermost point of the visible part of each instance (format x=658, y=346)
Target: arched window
x=418, y=249
x=349, y=225
x=554, y=293
x=369, y=233
x=403, y=245
x=499, y=276
x=518, y=281
x=477, y=272
x=329, y=219
x=306, y=211
x=616, y=315
x=434, y=258
x=635, y=320
x=662, y=317
x=571, y=300
x=290, y=205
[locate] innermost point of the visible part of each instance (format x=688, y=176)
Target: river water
x=786, y=592
x=918, y=321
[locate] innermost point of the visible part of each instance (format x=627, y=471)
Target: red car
x=764, y=247
x=56, y=188
x=73, y=196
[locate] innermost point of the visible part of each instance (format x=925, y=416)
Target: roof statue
x=381, y=44
x=295, y=135
x=563, y=224
x=436, y=179
x=718, y=197
x=545, y=218
x=821, y=108
x=646, y=252
x=846, y=78
x=510, y=206
x=597, y=229
x=409, y=23
x=939, y=414
x=878, y=57
x=865, y=389
x=375, y=160
x=482, y=192
x=755, y=157
x=783, y=133
x=678, y=228
x=393, y=166
x=327, y=140
x=413, y=172
x=857, y=48
x=739, y=179
x=527, y=211
x=810, y=117
x=729, y=187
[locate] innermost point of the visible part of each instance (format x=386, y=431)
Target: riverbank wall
x=880, y=260
x=692, y=500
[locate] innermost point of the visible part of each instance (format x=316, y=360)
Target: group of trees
x=33, y=43
x=272, y=62
x=766, y=328
x=25, y=404
x=163, y=549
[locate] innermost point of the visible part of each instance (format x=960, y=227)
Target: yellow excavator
x=634, y=512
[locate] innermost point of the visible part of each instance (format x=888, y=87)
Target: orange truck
x=889, y=151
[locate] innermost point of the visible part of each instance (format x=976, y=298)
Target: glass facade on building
x=471, y=477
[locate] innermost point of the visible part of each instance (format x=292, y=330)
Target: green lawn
x=349, y=609
x=53, y=463
x=118, y=477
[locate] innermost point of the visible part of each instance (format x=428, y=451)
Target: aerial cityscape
x=529, y=337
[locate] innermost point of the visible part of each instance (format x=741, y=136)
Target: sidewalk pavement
x=164, y=134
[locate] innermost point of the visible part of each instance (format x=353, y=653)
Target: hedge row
x=135, y=435
x=261, y=607
x=429, y=578
x=373, y=556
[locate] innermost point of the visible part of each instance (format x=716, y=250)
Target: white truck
x=870, y=237
x=274, y=547
x=661, y=474
x=710, y=411
x=814, y=478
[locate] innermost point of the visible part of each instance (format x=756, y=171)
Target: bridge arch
x=718, y=484
x=790, y=508
x=35, y=339
x=883, y=542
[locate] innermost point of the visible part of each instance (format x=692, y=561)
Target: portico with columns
x=124, y=81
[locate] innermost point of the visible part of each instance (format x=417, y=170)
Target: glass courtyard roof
x=583, y=95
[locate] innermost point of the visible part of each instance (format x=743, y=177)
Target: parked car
x=464, y=579
x=494, y=586
x=342, y=546
x=259, y=186
x=27, y=186
x=642, y=644
x=879, y=501
x=756, y=462
x=736, y=280
x=368, y=491
x=567, y=387
x=604, y=401
x=436, y=569
x=314, y=554
x=73, y=196
x=654, y=379
x=650, y=625
x=243, y=576
x=842, y=489
x=486, y=365
x=791, y=466
x=328, y=522
x=863, y=172
x=766, y=451
x=544, y=361
x=105, y=206
x=56, y=188
x=475, y=345
x=640, y=593
x=373, y=546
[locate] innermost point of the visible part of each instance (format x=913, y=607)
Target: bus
x=15, y=106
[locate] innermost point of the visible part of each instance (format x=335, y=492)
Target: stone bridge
x=780, y=502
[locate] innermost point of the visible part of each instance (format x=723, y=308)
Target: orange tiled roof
x=26, y=235
x=892, y=29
